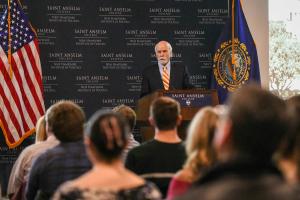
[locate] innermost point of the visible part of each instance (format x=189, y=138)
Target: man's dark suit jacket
x=179, y=78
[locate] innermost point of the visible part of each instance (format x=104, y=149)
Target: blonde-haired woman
x=40, y=130
x=199, y=151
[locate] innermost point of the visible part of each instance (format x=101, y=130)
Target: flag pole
x=232, y=42
x=9, y=38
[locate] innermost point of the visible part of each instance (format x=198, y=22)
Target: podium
x=191, y=101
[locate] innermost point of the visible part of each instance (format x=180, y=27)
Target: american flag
x=21, y=89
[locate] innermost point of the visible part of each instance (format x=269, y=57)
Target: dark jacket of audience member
x=66, y=161
x=245, y=143
x=159, y=159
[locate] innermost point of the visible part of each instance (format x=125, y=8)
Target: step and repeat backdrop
x=93, y=51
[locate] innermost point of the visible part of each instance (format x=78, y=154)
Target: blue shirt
x=168, y=65
x=65, y=161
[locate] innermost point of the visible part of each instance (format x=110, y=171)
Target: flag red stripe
x=14, y=94
x=24, y=97
x=10, y=112
x=6, y=129
x=30, y=84
x=34, y=67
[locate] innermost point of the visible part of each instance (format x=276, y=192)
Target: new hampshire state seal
x=231, y=74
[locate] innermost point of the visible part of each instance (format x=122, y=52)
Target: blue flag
x=235, y=60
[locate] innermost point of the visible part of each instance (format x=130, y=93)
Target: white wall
x=256, y=13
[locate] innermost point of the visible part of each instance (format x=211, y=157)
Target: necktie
x=165, y=78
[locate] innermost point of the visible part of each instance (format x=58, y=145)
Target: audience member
x=289, y=151
x=199, y=150
x=19, y=173
x=40, y=130
x=67, y=160
x=130, y=116
x=106, y=138
x=159, y=159
x=245, y=143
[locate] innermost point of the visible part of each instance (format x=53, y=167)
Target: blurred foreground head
x=254, y=125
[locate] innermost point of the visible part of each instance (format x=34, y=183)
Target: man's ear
x=151, y=121
x=223, y=134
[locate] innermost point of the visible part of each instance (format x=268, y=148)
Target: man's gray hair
x=168, y=44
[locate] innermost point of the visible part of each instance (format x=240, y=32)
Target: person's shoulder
x=144, y=147
x=47, y=153
x=27, y=150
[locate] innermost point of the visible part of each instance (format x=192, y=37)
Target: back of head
x=291, y=140
x=107, y=132
x=165, y=112
x=290, y=146
x=66, y=120
x=128, y=113
x=40, y=130
x=258, y=121
x=200, y=136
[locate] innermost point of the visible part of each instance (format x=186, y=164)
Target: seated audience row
x=227, y=154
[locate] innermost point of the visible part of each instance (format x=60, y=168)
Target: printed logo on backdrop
x=212, y=16
x=134, y=83
x=91, y=37
x=198, y=80
x=115, y=15
x=191, y=38
x=47, y=36
x=117, y=60
x=143, y=37
x=164, y=15
x=205, y=60
x=50, y=83
x=65, y=60
x=92, y=83
x=64, y=14
x=231, y=75
x=78, y=101
x=112, y=102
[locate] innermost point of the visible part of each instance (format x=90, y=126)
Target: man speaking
x=166, y=74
